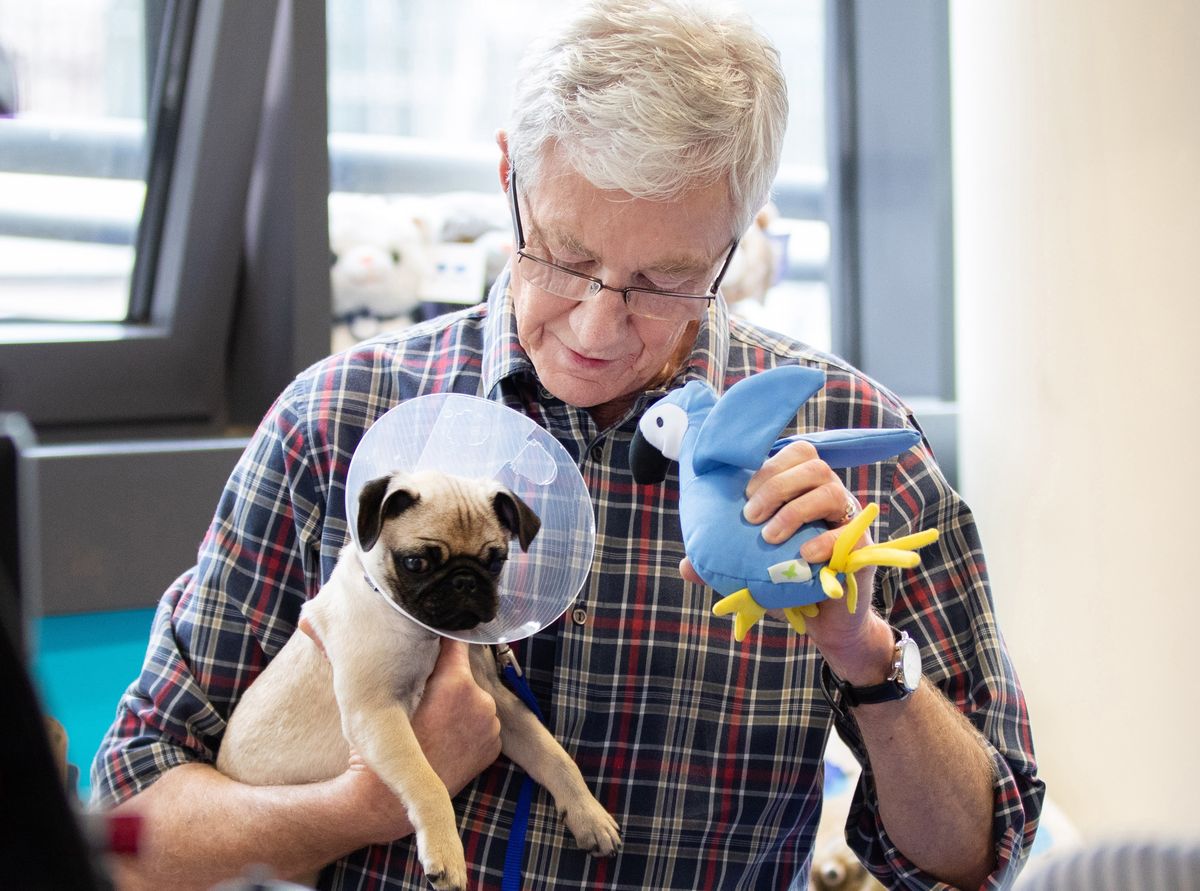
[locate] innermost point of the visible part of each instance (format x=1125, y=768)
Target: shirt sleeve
x=216, y=626
x=945, y=604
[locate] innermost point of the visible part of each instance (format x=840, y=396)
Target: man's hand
x=794, y=487
x=459, y=732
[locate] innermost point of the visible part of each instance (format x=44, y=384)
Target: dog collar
x=474, y=437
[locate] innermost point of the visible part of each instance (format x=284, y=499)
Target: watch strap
x=890, y=690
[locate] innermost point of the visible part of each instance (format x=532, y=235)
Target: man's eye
x=416, y=564
x=580, y=266
x=675, y=286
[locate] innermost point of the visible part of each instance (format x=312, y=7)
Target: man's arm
x=933, y=773
x=200, y=827
x=933, y=776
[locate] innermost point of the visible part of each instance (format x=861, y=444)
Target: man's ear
x=502, y=141
x=373, y=508
x=517, y=517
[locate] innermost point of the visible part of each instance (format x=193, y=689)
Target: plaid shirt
x=708, y=752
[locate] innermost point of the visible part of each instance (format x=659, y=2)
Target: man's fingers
x=825, y=502
x=820, y=548
x=790, y=456
x=787, y=484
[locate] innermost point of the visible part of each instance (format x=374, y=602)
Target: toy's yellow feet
x=846, y=560
x=797, y=614
x=834, y=590
x=745, y=609
x=843, y=548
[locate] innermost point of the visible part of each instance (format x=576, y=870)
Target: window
x=443, y=71
x=71, y=176
x=80, y=345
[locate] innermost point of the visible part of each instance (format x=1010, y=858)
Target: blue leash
x=515, y=852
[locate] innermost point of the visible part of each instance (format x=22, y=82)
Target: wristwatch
x=900, y=684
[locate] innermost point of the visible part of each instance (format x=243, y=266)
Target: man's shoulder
x=753, y=348
x=461, y=329
x=443, y=345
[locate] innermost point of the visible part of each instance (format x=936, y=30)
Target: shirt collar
x=504, y=357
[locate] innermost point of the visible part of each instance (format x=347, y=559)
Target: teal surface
x=82, y=665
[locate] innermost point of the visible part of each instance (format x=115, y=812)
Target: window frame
x=172, y=367
x=890, y=205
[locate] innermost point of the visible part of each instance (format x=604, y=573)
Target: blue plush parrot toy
x=719, y=443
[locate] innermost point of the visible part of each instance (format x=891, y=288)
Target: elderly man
x=644, y=138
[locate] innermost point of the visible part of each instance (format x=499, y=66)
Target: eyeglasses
x=650, y=303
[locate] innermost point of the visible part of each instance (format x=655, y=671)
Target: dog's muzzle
x=462, y=597
x=464, y=583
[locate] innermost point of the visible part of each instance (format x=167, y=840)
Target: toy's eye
x=395, y=256
x=416, y=564
x=663, y=426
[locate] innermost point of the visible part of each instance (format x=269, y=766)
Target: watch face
x=910, y=664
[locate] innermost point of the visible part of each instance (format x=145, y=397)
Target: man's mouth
x=589, y=361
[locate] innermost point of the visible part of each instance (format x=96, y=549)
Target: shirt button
x=597, y=453
x=579, y=615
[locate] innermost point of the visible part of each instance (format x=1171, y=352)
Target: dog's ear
x=373, y=509
x=517, y=517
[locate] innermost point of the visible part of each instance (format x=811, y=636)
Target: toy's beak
x=647, y=464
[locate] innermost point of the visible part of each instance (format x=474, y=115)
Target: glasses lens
x=667, y=307
x=557, y=281
x=546, y=276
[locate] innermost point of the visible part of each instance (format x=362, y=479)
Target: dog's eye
x=416, y=564
x=496, y=558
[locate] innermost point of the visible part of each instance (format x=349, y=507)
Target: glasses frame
x=598, y=284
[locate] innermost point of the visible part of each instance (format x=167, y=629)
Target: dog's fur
x=436, y=543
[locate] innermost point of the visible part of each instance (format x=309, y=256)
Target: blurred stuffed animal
x=835, y=868
x=382, y=252
x=755, y=264
x=478, y=218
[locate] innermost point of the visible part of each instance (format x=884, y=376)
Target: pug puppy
x=355, y=670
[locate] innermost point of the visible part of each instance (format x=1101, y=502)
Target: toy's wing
x=852, y=447
x=745, y=421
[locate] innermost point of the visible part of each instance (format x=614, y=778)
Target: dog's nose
x=464, y=582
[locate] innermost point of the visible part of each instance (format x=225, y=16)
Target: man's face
x=596, y=352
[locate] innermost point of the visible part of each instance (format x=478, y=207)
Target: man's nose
x=600, y=320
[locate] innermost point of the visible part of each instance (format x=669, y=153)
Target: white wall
x=1077, y=238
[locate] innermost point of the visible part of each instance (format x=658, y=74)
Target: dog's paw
x=447, y=878
x=444, y=864
x=594, y=828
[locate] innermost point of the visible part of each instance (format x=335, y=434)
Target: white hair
x=655, y=99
